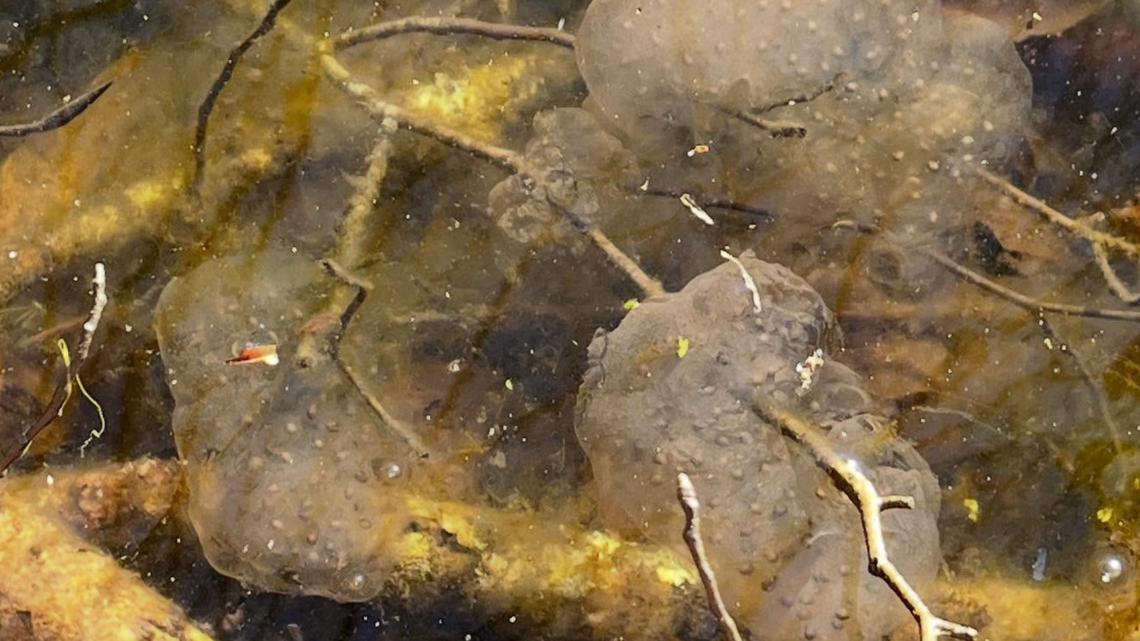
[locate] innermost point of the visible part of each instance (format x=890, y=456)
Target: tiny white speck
x=13, y=254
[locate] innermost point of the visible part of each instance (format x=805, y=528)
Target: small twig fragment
x=696, y=210
x=256, y=355
x=92, y=323
x=691, y=505
x=727, y=205
x=748, y=281
x=57, y=118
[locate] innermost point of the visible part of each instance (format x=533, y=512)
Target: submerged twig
x=232, y=60
x=57, y=118
x=1027, y=302
x=353, y=228
x=777, y=129
x=801, y=98
x=859, y=489
x=1100, y=241
x=1095, y=388
x=1110, y=276
x=506, y=159
x=716, y=203
x=70, y=372
x=691, y=505
x=452, y=26
x=1017, y=298
x=1072, y=225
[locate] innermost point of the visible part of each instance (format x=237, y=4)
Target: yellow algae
x=456, y=519
x=604, y=543
x=670, y=573
x=476, y=99
x=682, y=347
x=973, y=510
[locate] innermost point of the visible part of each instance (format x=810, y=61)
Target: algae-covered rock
x=292, y=477
x=669, y=391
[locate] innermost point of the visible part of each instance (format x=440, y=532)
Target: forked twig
x=691, y=505
x=452, y=26
x=57, y=118
x=227, y=72
x=398, y=427
x=1100, y=241
x=1073, y=226
x=1017, y=298
x=71, y=370
x=859, y=489
x=507, y=159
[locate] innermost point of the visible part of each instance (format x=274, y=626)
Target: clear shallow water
x=461, y=306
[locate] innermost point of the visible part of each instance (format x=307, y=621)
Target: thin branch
x=1027, y=302
x=57, y=118
x=353, y=228
x=1110, y=276
x=207, y=106
x=71, y=369
x=1100, y=241
x=725, y=204
x=691, y=505
x=507, y=159
x=859, y=489
x=777, y=129
x=1095, y=388
x=802, y=98
x=1017, y=298
x=385, y=112
x=452, y=26
x=1071, y=225
x=650, y=286
x=404, y=431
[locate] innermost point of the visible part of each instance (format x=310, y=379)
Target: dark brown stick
x=57, y=118
x=207, y=106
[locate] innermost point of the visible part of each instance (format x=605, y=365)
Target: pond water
x=430, y=301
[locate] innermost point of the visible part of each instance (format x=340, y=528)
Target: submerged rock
x=669, y=391
x=292, y=477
